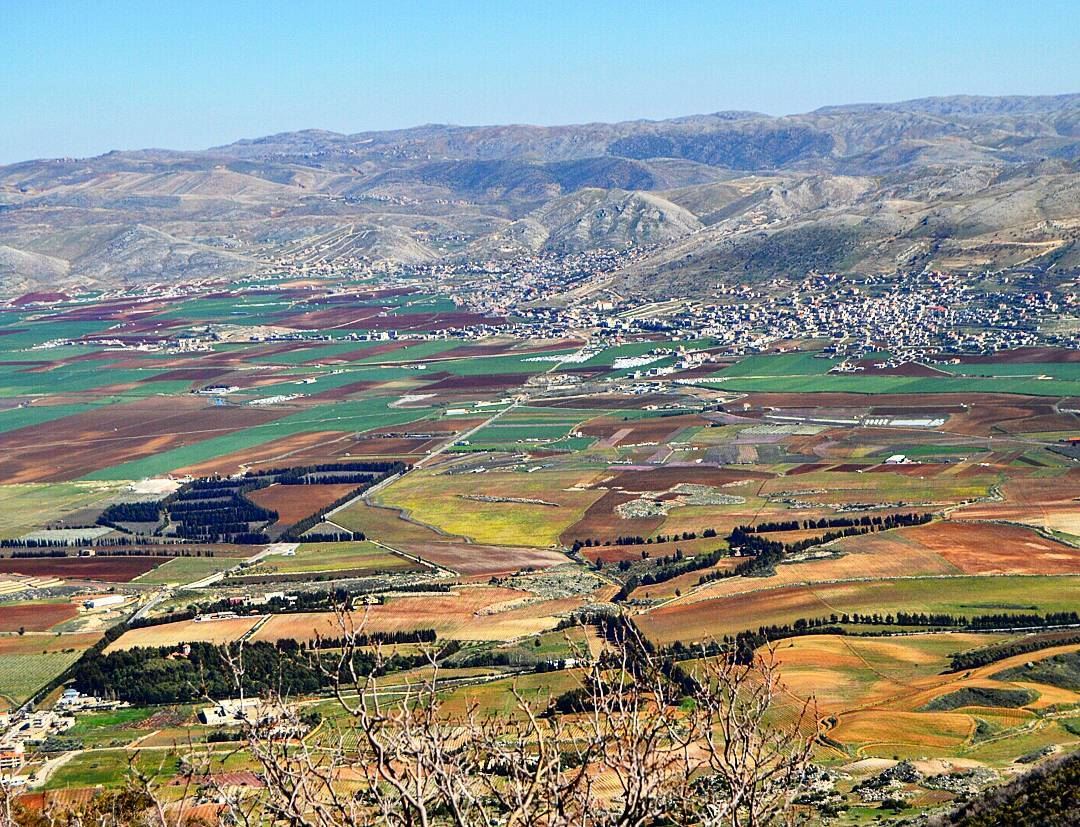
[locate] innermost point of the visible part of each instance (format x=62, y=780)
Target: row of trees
x=638, y=540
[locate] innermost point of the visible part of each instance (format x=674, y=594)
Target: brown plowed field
x=600, y=521
x=1049, y=502
x=76, y=445
x=35, y=617
x=806, y=468
x=446, y=613
x=471, y=560
x=491, y=381
x=109, y=569
x=294, y=502
x=657, y=429
x=186, y=375
x=976, y=548
x=16, y=644
x=1025, y=355
x=330, y=318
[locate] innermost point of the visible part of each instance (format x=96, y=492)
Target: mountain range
x=955, y=183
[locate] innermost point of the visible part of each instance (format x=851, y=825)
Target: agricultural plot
x=474, y=560
x=897, y=696
x=454, y=615
x=114, y=728
x=352, y=558
x=35, y=615
x=21, y=675
x=511, y=509
x=352, y=415
x=712, y=618
x=24, y=508
x=182, y=570
x=120, y=569
x=294, y=502
x=185, y=631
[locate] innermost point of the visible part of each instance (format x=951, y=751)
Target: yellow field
x=185, y=631
x=440, y=500
x=873, y=692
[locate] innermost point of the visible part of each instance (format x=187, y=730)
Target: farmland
x=330, y=557
x=109, y=569
x=477, y=495
x=23, y=675
x=711, y=618
x=181, y=570
x=35, y=616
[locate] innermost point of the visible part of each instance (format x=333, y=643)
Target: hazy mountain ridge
x=959, y=182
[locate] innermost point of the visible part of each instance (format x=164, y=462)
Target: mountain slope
x=955, y=183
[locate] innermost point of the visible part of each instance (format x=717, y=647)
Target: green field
x=182, y=570
x=29, y=506
x=23, y=675
x=321, y=557
x=862, y=384
x=113, y=728
x=358, y=415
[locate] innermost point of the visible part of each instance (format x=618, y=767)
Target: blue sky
x=81, y=78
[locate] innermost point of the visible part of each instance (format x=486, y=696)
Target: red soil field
x=109, y=569
x=294, y=502
x=600, y=521
x=186, y=375
x=806, y=468
x=331, y=318
x=471, y=560
x=40, y=297
x=15, y=644
x=35, y=617
x=1024, y=355
x=658, y=429
x=985, y=548
x=60, y=801
x=76, y=445
x=492, y=381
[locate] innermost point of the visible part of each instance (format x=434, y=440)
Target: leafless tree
x=641, y=741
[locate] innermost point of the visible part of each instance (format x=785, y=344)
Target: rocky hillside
x=952, y=183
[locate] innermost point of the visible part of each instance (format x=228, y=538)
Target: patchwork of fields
x=346, y=447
